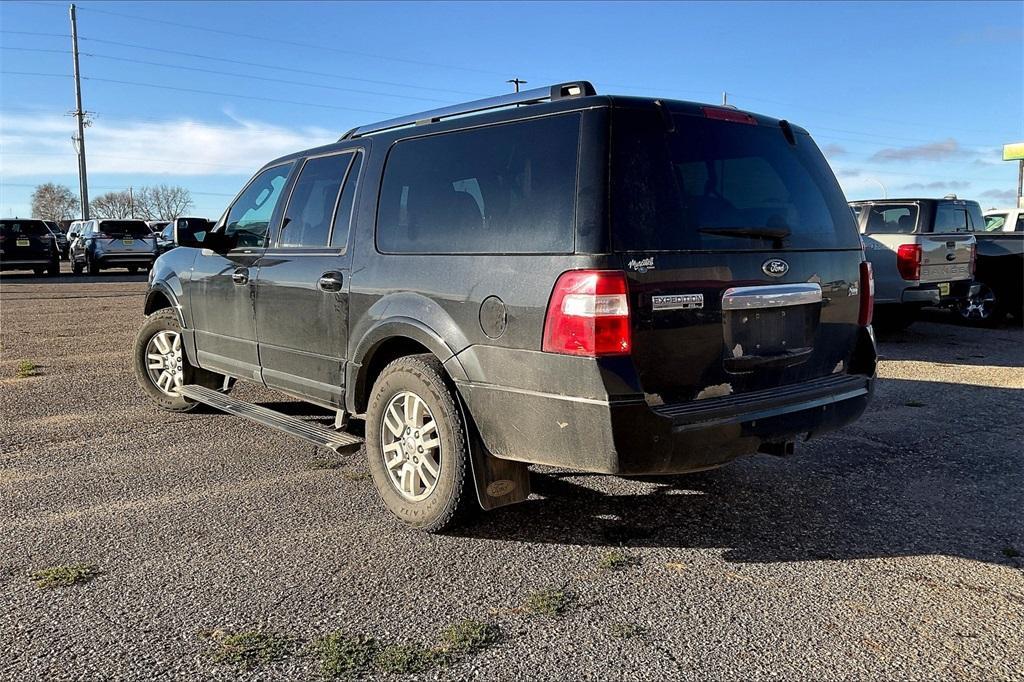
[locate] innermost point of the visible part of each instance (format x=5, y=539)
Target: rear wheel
x=161, y=365
x=38, y=272
x=981, y=309
x=54, y=268
x=76, y=267
x=92, y=266
x=417, y=445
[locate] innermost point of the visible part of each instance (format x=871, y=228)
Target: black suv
x=28, y=245
x=609, y=284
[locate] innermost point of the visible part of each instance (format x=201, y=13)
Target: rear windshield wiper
x=776, y=233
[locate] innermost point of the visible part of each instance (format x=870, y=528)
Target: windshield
x=23, y=228
x=712, y=185
x=125, y=228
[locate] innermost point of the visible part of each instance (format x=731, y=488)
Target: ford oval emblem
x=775, y=267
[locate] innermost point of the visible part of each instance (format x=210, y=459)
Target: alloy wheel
x=164, y=362
x=411, y=446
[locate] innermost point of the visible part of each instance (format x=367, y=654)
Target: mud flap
x=499, y=482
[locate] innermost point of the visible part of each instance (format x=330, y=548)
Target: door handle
x=330, y=281
x=240, y=276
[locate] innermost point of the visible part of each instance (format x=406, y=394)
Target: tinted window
x=307, y=221
x=26, y=228
x=168, y=233
x=892, y=219
x=994, y=222
x=502, y=189
x=680, y=189
x=124, y=228
x=951, y=218
x=249, y=217
x=343, y=216
x=1020, y=223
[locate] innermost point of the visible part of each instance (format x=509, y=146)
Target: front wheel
x=981, y=309
x=161, y=365
x=417, y=445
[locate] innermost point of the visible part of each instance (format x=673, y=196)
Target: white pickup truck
x=922, y=252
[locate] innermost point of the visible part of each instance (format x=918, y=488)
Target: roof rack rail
x=557, y=91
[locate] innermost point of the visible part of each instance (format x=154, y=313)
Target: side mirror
x=194, y=233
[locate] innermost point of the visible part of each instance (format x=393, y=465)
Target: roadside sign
x=1013, y=152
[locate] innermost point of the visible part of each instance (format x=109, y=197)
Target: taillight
x=974, y=258
x=908, y=261
x=588, y=314
x=867, y=294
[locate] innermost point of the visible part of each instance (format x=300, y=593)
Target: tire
x=76, y=267
x=91, y=266
x=38, y=272
x=132, y=269
x=165, y=321
x=54, y=269
x=450, y=499
x=982, y=310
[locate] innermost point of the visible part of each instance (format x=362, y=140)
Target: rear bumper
x=25, y=263
x=120, y=260
x=632, y=437
x=930, y=295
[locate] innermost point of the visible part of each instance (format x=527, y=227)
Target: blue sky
x=918, y=97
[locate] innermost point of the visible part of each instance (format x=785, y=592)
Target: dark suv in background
x=28, y=245
x=610, y=284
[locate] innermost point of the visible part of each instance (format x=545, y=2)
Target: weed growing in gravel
x=470, y=635
x=343, y=656
x=549, y=602
x=355, y=475
x=250, y=649
x=617, y=560
x=625, y=630
x=63, y=576
x=1011, y=552
x=914, y=403
x=27, y=368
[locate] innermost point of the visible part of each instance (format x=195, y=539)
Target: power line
x=277, y=41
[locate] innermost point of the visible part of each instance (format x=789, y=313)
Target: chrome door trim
x=772, y=296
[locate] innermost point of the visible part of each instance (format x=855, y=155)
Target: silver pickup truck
x=922, y=252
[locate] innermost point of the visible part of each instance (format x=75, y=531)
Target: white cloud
x=41, y=145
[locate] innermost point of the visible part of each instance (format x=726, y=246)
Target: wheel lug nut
x=419, y=449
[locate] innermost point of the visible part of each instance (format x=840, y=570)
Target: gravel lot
x=890, y=549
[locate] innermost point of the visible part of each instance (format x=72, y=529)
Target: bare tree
x=112, y=205
x=51, y=201
x=162, y=202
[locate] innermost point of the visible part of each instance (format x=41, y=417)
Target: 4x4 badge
x=775, y=267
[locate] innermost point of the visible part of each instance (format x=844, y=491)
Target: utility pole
x=131, y=202
x=516, y=82
x=83, y=182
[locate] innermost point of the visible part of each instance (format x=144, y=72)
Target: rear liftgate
x=338, y=441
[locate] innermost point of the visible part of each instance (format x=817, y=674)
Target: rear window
x=507, y=188
x=25, y=228
x=951, y=217
x=125, y=228
x=995, y=222
x=699, y=187
x=892, y=219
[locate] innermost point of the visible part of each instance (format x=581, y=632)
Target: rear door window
x=343, y=216
x=508, y=188
x=710, y=185
x=310, y=212
x=951, y=218
x=892, y=219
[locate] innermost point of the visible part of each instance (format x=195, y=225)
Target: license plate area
x=127, y=242
x=944, y=288
x=769, y=326
x=23, y=242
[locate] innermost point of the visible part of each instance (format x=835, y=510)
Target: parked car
x=103, y=244
x=1000, y=269
x=922, y=253
x=1004, y=220
x=609, y=284
x=157, y=226
x=28, y=245
x=59, y=237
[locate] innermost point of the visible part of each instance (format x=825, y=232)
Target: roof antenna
x=516, y=82
x=725, y=98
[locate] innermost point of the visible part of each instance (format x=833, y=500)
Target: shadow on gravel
x=110, y=277
x=888, y=489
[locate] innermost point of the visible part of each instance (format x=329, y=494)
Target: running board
x=335, y=440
